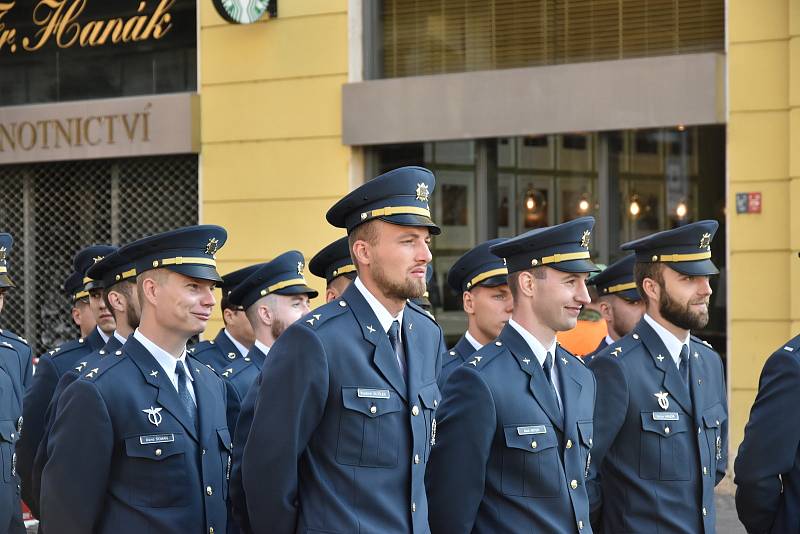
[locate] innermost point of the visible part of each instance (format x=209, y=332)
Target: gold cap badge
x=422, y=192
x=585, y=238
x=212, y=246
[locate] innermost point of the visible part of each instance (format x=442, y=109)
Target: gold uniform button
x=416, y=458
x=203, y=451
x=573, y=484
x=210, y=530
x=158, y=452
x=534, y=444
x=209, y=490
x=373, y=409
x=435, y=403
x=580, y=525
x=666, y=430
x=415, y=410
x=413, y=507
x=704, y=511
x=569, y=443
x=705, y=470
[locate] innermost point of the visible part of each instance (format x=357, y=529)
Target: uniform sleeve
x=34, y=406
x=80, y=449
x=456, y=473
x=241, y=431
x=770, y=443
x=611, y=405
x=290, y=402
x=40, y=459
x=722, y=461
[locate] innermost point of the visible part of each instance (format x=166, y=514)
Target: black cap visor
x=694, y=268
x=494, y=281
x=202, y=272
x=575, y=266
x=297, y=290
x=410, y=219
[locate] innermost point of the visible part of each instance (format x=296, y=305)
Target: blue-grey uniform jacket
x=52, y=365
x=505, y=459
x=341, y=436
x=655, y=462
x=768, y=464
x=123, y=436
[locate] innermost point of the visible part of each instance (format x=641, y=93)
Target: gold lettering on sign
x=59, y=21
x=72, y=132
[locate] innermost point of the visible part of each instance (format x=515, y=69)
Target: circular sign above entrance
x=244, y=11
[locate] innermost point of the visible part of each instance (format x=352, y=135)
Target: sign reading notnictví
x=56, y=50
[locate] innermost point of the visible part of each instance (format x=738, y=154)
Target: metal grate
x=54, y=209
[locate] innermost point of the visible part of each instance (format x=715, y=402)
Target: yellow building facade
x=763, y=155
x=272, y=159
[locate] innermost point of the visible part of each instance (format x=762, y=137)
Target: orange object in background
x=585, y=337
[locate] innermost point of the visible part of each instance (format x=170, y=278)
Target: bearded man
x=661, y=427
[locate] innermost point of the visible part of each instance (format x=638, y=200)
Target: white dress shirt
x=385, y=319
x=168, y=362
x=472, y=341
x=540, y=351
x=241, y=348
x=263, y=348
x=120, y=338
x=672, y=343
x=102, y=335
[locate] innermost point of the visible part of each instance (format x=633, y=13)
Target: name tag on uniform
x=367, y=393
x=665, y=416
x=156, y=438
x=533, y=429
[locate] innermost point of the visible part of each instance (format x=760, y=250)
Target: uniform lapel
x=257, y=357
x=94, y=340
x=4, y=363
x=570, y=387
x=696, y=378
x=414, y=354
x=383, y=355
x=227, y=347
x=539, y=386
x=464, y=348
x=662, y=359
x=154, y=375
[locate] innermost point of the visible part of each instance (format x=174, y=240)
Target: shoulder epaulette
x=324, y=313
x=69, y=346
x=202, y=347
x=793, y=345
x=569, y=353
x=100, y=368
x=12, y=336
x=422, y=312
x=486, y=354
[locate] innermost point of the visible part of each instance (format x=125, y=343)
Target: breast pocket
x=155, y=471
x=430, y=397
x=225, y=447
x=713, y=419
x=530, y=461
x=665, y=448
x=370, y=427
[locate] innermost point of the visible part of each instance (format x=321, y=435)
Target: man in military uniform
x=334, y=264
x=352, y=386
x=52, y=365
x=480, y=278
x=81, y=311
x=515, y=427
x=236, y=339
x=273, y=297
x=117, y=276
x=768, y=463
x=661, y=430
x=618, y=299
x=15, y=376
x=145, y=431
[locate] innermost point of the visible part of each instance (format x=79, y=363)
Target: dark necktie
x=183, y=393
x=393, y=334
x=547, y=366
x=683, y=367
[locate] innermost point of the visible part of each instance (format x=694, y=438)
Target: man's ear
x=606, y=312
x=468, y=301
x=652, y=289
x=265, y=315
